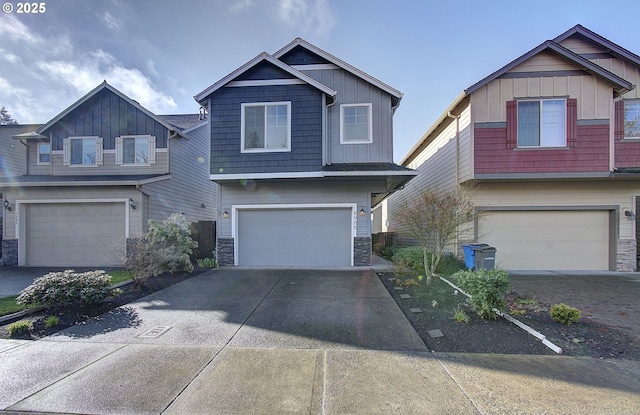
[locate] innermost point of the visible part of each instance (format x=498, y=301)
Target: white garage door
x=295, y=237
x=547, y=240
x=75, y=234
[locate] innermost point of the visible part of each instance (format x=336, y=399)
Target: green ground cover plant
x=19, y=327
x=564, y=314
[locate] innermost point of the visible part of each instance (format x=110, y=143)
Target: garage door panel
x=301, y=237
x=75, y=234
x=553, y=240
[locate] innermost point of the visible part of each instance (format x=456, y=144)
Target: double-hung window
x=82, y=151
x=135, y=150
x=266, y=127
x=44, y=154
x=355, y=124
x=542, y=123
x=632, y=119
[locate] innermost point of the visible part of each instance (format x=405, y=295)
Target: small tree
x=436, y=220
x=5, y=117
x=165, y=248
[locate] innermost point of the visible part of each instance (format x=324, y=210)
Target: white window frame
x=541, y=144
x=634, y=102
x=243, y=149
x=67, y=151
x=40, y=162
x=343, y=139
x=120, y=150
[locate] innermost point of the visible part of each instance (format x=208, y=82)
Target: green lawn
x=119, y=276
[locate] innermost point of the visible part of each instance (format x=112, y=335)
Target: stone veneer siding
x=224, y=250
x=10, y=252
x=361, y=251
x=626, y=260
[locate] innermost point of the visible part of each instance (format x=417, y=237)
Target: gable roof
x=611, y=47
x=342, y=64
x=620, y=85
x=263, y=57
x=105, y=85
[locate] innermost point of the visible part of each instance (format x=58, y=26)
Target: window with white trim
x=542, y=123
x=266, y=127
x=355, y=124
x=632, y=119
x=44, y=154
x=135, y=150
x=82, y=151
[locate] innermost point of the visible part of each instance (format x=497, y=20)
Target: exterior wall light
x=6, y=205
x=361, y=212
x=132, y=204
x=225, y=214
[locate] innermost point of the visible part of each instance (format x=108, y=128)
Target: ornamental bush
x=411, y=257
x=488, y=289
x=165, y=248
x=67, y=288
x=564, y=314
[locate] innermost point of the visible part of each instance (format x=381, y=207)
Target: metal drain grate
x=154, y=332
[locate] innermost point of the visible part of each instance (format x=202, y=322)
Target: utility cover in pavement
x=154, y=332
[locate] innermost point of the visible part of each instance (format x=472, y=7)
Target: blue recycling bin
x=470, y=254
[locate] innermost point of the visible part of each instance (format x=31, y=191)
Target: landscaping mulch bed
x=437, y=301
x=70, y=316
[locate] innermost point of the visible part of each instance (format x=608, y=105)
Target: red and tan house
x=552, y=143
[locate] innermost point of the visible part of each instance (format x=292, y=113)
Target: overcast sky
x=163, y=52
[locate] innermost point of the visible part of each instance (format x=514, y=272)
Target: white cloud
x=9, y=57
x=16, y=30
x=305, y=14
x=87, y=73
x=111, y=21
x=241, y=5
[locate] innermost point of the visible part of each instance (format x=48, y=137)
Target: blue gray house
x=89, y=180
x=302, y=147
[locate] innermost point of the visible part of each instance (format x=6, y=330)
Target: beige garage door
x=75, y=234
x=547, y=240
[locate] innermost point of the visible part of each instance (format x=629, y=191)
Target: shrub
x=487, y=289
x=165, y=248
x=19, y=327
x=565, y=314
x=411, y=257
x=207, y=263
x=387, y=252
x=51, y=321
x=460, y=316
x=450, y=264
x=67, y=288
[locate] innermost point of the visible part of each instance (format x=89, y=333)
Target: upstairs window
x=542, y=123
x=632, y=119
x=266, y=127
x=44, y=154
x=135, y=150
x=355, y=124
x=82, y=151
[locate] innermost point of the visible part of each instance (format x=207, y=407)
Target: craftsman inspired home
x=301, y=146
x=552, y=143
x=95, y=174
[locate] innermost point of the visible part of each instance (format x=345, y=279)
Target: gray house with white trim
x=302, y=147
x=95, y=174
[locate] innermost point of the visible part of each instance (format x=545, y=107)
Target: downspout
x=325, y=123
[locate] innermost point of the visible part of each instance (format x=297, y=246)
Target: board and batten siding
x=593, y=96
x=284, y=193
x=71, y=194
x=189, y=187
x=354, y=90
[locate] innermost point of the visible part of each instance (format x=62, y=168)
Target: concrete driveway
x=249, y=341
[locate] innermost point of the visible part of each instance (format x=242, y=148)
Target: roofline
x=444, y=116
x=623, y=85
x=198, y=125
x=344, y=65
x=93, y=92
x=77, y=183
x=264, y=56
x=593, y=36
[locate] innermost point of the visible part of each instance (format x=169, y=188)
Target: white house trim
x=275, y=175
x=236, y=208
x=21, y=218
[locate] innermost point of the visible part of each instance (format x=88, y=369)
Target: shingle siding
x=306, y=130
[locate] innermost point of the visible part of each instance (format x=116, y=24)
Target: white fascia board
x=370, y=173
x=278, y=175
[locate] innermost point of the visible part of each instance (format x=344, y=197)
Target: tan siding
x=580, y=46
x=466, y=152
x=545, y=61
x=32, y=161
x=109, y=166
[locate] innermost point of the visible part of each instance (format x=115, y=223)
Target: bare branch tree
x=436, y=220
